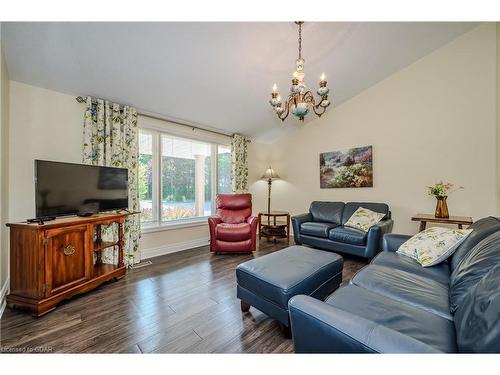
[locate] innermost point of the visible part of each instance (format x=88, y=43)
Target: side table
x=272, y=228
x=425, y=218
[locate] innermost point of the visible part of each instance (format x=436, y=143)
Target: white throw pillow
x=433, y=245
x=363, y=219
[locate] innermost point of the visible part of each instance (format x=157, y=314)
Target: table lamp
x=269, y=175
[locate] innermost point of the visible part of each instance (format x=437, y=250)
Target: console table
x=56, y=260
x=425, y=218
x=272, y=228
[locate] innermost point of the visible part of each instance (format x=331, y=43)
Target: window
x=223, y=169
x=179, y=177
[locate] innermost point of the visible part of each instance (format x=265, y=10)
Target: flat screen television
x=68, y=189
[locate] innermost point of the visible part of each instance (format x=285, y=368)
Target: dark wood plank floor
x=183, y=303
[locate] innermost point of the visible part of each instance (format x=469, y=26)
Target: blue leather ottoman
x=268, y=282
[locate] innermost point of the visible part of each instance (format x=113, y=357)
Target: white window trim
x=183, y=131
x=157, y=128
x=177, y=224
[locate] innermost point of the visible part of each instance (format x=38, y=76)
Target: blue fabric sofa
x=396, y=305
x=323, y=228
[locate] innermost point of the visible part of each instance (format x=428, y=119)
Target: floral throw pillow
x=433, y=245
x=363, y=219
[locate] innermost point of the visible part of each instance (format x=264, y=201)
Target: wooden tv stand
x=55, y=261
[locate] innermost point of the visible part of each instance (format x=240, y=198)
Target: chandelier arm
x=309, y=98
x=285, y=113
x=321, y=101
x=319, y=113
x=308, y=94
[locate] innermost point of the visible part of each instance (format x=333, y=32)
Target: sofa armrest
x=318, y=327
x=297, y=220
x=375, y=235
x=392, y=242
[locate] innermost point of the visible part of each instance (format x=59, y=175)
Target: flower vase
x=442, y=208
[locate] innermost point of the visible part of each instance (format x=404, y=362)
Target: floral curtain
x=110, y=138
x=239, y=164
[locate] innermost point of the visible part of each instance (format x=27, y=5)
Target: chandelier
x=300, y=100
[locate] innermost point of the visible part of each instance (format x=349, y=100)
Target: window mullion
x=214, y=160
x=157, y=175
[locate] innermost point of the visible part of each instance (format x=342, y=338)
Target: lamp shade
x=270, y=174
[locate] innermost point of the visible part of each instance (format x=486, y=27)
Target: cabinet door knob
x=69, y=250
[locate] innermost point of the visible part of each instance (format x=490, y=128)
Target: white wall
x=45, y=124
x=4, y=158
x=433, y=120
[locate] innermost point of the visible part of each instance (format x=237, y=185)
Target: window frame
x=158, y=225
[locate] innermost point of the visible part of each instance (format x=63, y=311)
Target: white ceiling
x=217, y=75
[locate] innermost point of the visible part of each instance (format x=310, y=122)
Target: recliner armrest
x=318, y=327
x=374, y=238
x=212, y=223
x=252, y=220
x=392, y=242
x=297, y=220
x=214, y=220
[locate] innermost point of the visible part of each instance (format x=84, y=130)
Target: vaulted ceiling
x=216, y=75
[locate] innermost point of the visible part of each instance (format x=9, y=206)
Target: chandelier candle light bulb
x=300, y=101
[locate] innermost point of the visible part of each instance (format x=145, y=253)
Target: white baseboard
x=173, y=248
x=3, y=293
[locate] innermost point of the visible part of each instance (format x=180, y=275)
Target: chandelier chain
x=300, y=40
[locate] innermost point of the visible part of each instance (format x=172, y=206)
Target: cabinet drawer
x=67, y=258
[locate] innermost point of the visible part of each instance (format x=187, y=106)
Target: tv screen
x=67, y=188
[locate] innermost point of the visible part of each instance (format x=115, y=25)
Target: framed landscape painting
x=346, y=168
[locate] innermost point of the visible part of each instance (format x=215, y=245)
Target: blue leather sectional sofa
x=396, y=305
x=323, y=228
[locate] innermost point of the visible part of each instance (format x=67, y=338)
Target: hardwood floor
x=183, y=303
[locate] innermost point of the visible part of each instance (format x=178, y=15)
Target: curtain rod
x=80, y=99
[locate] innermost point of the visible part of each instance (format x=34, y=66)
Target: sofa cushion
x=317, y=229
x=348, y=235
x=439, y=272
x=351, y=207
x=417, y=291
x=433, y=245
x=295, y=270
x=481, y=229
x=417, y=323
x=233, y=232
x=477, y=319
x=329, y=212
x=476, y=263
x=363, y=219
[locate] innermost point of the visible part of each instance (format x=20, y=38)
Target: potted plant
x=441, y=190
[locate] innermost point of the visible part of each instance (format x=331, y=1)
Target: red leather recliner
x=234, y=229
